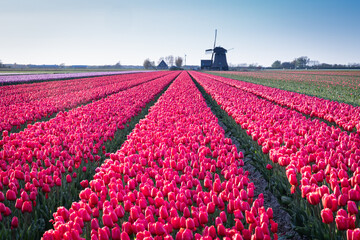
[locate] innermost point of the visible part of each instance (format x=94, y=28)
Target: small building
x=206, y=64
x=162, y=66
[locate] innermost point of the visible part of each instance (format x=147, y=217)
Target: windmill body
x=217, y=63
x=220, y=62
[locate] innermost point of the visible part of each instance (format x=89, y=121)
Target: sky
x=106, y=32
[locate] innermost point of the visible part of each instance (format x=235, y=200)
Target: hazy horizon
x=99, y=33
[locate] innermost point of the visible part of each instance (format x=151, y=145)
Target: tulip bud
x=327, y=215
x=221, y=229
x=26, y=207
x=210, y=208
x=249, y=217
x=269, y=166
x=107, y=220
x=203, y=218
x=10, y=195
x=352, y=208
x=313, y=198
x=14, y=222
x=341, y=222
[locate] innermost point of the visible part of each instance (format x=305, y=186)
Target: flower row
x=176, y=177
x=42, y=77
x=27, y=106
x=348, y=81
x=324, y=158
x=344, y=115
x=44, y=155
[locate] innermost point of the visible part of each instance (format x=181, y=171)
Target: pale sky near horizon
x=105, y=32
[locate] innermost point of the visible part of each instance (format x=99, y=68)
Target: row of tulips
x=322, y=161
x=344, y=115
x=323, y=72
x=49, y=157
x=42, y=77
x=316, y=79
x=50, y=101
x=176, y=177
x=32, y=91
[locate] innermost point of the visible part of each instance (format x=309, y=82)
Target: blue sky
x=105, y=32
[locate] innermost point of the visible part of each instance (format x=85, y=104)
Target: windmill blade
x=230, y=49
x=212, y=56
x=215, y=38
x=209, y=50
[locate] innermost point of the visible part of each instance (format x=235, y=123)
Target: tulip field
x=21, y=78
x=164, y=155
x=342, y=86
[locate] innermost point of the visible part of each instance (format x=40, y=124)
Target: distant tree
x=178, y=61
x=288, y=65
x=1, y=65
x=169, y=60
x=148, y=64
x=301, y=62
x=276, y=64
x=253, y=65
x=62, y=65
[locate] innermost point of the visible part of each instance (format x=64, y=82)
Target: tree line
x=305, y=63
x=169, y=60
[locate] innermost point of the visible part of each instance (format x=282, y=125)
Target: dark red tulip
x=10, y=195
x=14, y=222
x=352, y=207
x=327, y=215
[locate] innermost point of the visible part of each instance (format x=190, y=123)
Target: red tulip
x=107, y=220
x=313, y=198
x=94, y=223
x=352, y=208
x=210, y=208
x=274, y=226
x=293, y=180
x=10, y=195
x=221, y=229
x=124, y=236
x=341, y=222
x=84, y=183
x=249, y=217
x=14, y=222
x=26, y=207
x=269, y=166
x=175, y=222
x=134, y=214
x=190, y=224
x=327, y=216
x=159, y=228
x=93, y=199
x=68, y=178
x=203, y=218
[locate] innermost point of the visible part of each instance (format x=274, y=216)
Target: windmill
x=217, y=63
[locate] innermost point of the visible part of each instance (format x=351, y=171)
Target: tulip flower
x=352, y=207
x=327, y=216
x=14, y=222
x=313, y=198
x=341, y=222
x=10, y=195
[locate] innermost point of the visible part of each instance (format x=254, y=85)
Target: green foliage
x=276, y=64
x=335, y=92
x=148, y=64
